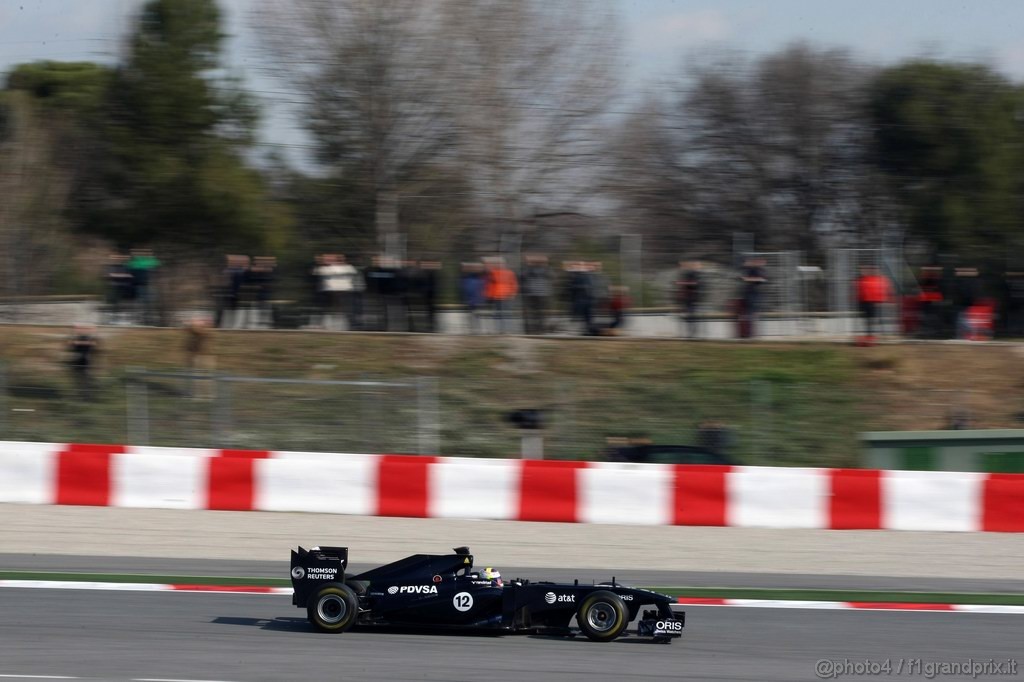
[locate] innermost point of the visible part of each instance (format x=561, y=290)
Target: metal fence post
x=364, y=413
x=222, y=410
x=4, y=411
x=631, y=265
x=427, y=417
x=137, y=402
x=760, y=418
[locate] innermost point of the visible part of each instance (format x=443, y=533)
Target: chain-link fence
x=781, y=291
x=210, y=410
x=796, y=295
x=768, y=420
x=844, y=269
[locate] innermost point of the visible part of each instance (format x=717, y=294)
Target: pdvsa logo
x=412, y=589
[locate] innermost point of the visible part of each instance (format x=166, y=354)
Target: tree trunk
x=386, y=220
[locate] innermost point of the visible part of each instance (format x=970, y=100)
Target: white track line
x=171, y=679
x=139, y=587
x=84, y=585
x=855, y=606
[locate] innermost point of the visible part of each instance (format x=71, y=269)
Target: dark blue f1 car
x=444, y=591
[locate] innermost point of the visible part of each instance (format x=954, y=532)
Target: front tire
x=602, y=616
x=333, y=608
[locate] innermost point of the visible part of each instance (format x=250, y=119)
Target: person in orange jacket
x=501, y=289
x=873, y=291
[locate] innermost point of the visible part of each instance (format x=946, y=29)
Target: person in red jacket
x=500, y=289
x=873, y=291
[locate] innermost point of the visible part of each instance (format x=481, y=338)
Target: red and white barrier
x=520, y=490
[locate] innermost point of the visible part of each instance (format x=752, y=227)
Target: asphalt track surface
x=266, y=536
x=249, y=638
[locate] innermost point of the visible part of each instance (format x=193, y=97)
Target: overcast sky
x=660, y=34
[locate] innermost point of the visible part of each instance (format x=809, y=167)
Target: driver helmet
x=491, y=574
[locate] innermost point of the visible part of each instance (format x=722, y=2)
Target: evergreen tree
x=949, y=139
x=172, y=171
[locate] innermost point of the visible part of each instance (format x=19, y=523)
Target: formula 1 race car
x=445, y=592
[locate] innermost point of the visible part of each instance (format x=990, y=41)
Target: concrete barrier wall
x=652, y=323
x=516, y=490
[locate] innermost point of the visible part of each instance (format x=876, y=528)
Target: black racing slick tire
x=602, y=616
x=333, y=608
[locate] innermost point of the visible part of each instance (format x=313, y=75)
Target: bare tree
x=777, y=148
x=536, y=80
x=373, y=75
x=506, y=94
x=33, y=234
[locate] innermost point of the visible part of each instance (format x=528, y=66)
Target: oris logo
x=668, y=625
x=298, y=573
x=413, y=589
x=626, y=597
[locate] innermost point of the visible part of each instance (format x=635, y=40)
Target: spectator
x=753, y=279
x=143, y=267
x=873, y=292
x=382, y=280
x=688, y=294
x=714, y=436
x=618, y=303
x=930, y=302
x=235, y=273
x=958, y=418
x=320, y=297
x=582, y=289
x=410, y=293
x=965, y=295
x=374, y=299
x=430, y=271
x=199, y=356
x=83, y=346
x=471, y=292
x=347, y=285
x=599, y=293
x=261, y=279
x=119, y=287
x=337, y=277
x=979, y=320
x=501, y=289
x=577, y=293
x=536, y=293
x=357, y=297
x=1014, y=306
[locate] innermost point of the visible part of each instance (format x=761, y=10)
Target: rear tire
x=602, y=616
x=333, y=608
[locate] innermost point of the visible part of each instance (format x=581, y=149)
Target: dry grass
x=793, y=403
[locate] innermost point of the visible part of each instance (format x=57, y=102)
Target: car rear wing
x=311, y=568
